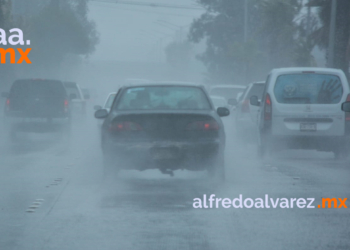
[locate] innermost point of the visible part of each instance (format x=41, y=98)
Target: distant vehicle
x=86, y=93
x=76, y=97
x=240, y=95
x=36, y=105
x=219, y=101
x=167, y=126
x=301, y=109
x=246, y=114
x=107, y=105
x=226, y=91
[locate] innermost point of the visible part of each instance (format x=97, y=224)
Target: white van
x=301, y=109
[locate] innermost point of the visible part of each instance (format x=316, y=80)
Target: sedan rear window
x=308, y=89
x=163, y=98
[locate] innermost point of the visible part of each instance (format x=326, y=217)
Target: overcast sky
x=132, y=33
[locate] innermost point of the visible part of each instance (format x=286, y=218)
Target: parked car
x=301, y=109
x=246, y=114
x=36, y=105
x=76, y=97
x=167, y=126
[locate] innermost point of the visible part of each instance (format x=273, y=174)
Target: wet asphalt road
x=53, y=196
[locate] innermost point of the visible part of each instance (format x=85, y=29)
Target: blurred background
x=103, y=42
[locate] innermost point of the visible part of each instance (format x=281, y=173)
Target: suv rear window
x=30, y=89
x=308, y=89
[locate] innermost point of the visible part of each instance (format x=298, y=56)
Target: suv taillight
x=7, y=104
x=66, y=103
x=245, y=106
x=268, y=108
x=203, y=125
x=125, y=126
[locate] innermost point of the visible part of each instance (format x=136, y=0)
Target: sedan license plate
x=308, y=127
x=163, y=154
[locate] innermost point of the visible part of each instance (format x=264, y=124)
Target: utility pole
x=308, y=21
x=245, y=39
x=332, y=28
x=245, y=20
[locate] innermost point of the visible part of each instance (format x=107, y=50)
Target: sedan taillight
x=125, y=126
x=7, y=107
x=65, y=103
x=203, y=125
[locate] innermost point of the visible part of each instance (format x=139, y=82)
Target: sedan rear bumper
x=168, y=155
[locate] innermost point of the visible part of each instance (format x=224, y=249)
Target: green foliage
x=342, y=32
x=275, y=38
x=5, y=13
x=6, y=70
x=59, y=31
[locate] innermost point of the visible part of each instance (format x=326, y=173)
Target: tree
x=342, y=32
x=221, y=27
x=59, y=30
x=6, y=70
x=278, y=30
x=274, y=39
x=5, y=13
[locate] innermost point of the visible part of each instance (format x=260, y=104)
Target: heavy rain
x=162, y=124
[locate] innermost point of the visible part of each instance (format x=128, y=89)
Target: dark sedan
x=165, y=127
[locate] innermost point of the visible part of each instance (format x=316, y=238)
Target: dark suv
x=36, y=105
